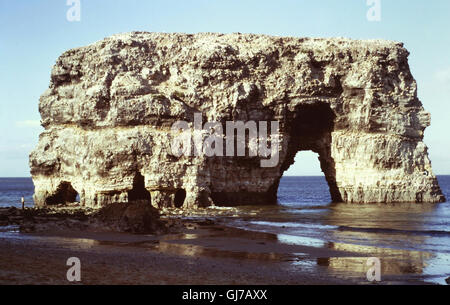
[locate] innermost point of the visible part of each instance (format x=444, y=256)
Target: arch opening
x=304, y=181
x=139, y=192
x=180, y=196
x=311, y=130
x=64, y=194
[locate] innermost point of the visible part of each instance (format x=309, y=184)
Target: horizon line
x=24, y=177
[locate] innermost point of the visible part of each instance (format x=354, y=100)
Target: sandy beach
x=202, y=253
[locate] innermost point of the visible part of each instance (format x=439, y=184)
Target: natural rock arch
x=110, y=106
x=311, y=129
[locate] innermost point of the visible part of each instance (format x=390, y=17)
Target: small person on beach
x=23, y=203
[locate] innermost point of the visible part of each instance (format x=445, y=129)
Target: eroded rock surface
x=135, y=217
x=109, y=108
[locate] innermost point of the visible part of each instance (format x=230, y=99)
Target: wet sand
x=199, y=254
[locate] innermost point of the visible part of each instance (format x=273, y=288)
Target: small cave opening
x=65, y=193
x=139, y=192
x=180, y=196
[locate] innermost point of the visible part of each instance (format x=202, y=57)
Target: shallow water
x=418, y=232
x=305, y=210
x=411, y=239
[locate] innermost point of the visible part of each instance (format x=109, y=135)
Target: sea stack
x=110, y=107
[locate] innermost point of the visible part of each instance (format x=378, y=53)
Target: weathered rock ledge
x=110, y=105
x=136, y=217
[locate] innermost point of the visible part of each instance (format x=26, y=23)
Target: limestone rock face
x=110, y=106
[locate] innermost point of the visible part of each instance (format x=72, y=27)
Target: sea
x=416, y=233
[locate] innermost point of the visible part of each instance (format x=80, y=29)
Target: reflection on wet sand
x=393, y=262
x=406, y=216
x=295, y=254
x=350, y=260
x=195, y=251
x=183, y=244
x=338, y=259
x=299, y=240
x=63, y=242
x=396, y=225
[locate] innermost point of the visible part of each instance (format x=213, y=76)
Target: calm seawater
x=413, y=239
x=305, y=209
x=418, y=233
x=13, y=189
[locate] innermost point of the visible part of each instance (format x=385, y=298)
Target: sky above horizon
x=34, y=33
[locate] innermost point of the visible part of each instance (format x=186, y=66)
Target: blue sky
x=33, y=33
